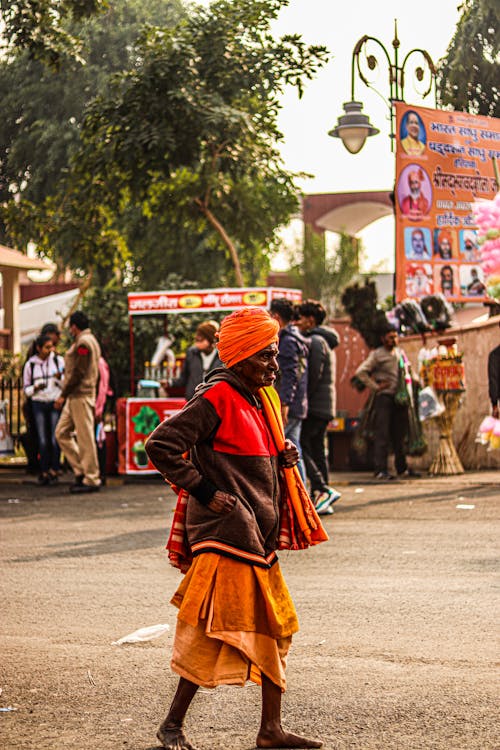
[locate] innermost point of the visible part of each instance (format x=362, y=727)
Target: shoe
x=384, y=476
x=326, y=512
x=78, y=479
x=325, y=499
x=82, y=489
x=53, y=478
x=43, y=479
x=409, y=474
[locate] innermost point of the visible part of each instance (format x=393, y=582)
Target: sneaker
x=325, y=499
x=43, y=479
x=384, y=476
x=326, y=512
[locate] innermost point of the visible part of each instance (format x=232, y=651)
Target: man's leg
x=307, y=442
x=399, y=430
x=83, y=414
x=383, y=408
x=271, y=733
x=318, y=446
x=67, y=443
x=170, y=733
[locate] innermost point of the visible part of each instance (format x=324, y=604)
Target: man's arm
x=317, y=359
x=365, y=370
x=169, y=443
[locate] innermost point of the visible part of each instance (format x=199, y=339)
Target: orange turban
x=244, y=333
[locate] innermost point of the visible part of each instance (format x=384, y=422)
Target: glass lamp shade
x=353, y=128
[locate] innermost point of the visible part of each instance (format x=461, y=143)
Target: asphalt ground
x=398, y=615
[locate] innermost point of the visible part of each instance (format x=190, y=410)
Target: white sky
x=428, y=24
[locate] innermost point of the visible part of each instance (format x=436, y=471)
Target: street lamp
x=353, y=127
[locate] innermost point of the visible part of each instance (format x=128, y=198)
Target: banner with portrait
x=443, y=164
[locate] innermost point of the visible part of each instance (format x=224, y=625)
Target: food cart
x=138, y=416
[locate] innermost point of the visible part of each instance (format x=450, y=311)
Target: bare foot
x=173, y=738
x=280, y=738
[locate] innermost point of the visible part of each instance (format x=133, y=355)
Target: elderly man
x=415, y=205
x=227, y=453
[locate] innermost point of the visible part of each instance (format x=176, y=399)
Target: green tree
x=468, y=75
x=42, y=114
x=40, y=27
x=324, y=276
x=190, y=134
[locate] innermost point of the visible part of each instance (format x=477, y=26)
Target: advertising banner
x=444, y=163
x=206, y=300
x=142, y=416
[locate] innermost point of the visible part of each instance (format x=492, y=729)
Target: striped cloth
x=300, y=526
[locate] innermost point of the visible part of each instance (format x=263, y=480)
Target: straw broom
x=447, y=460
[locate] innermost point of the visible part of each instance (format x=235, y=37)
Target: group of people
x=64, y=404
x=306, y=387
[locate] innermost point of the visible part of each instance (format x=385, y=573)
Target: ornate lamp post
x=353, y=127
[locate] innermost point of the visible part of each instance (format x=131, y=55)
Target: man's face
x=413, y=126
x=446, y=279
x=417, y=243
x=260, y=369
x=390, y=340
x=445, y=247
x=202, y=344
x=73, y=330
x=414, y=186
x=305, y=323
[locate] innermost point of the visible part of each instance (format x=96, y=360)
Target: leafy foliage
x=38, y=26
x=322, y=277
x=468, y=76
x=190, y=134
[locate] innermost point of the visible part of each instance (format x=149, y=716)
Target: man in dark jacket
x=201, y=359
x=292, y=379
x=321, y=398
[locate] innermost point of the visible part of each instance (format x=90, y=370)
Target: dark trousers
x=391, y=427
x=46, y=418
x=312, y=440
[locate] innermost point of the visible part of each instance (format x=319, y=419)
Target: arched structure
x=345, y=212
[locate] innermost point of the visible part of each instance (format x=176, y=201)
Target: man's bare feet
x=280, y=738
x=173, y=738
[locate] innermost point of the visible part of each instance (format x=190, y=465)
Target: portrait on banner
x=414, y=193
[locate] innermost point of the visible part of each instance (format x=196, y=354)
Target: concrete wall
x=475, y=341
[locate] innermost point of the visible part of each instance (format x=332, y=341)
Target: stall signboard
x=206, y=300
x=142, y=416
x=444, y=163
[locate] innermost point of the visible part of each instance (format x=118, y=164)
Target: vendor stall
x=138, y=416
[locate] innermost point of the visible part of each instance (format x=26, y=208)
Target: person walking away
x=77, y=401
x=201, y=358
x=226, y=452
x=380, y=373
x=42, y=378
x=291, y=382
x=321, y=401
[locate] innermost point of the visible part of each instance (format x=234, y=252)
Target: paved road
x=397, y=612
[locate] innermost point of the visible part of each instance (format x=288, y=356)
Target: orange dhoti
x=235, y=623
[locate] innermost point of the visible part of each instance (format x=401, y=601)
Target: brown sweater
x=231, y=449
x=81, y=366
